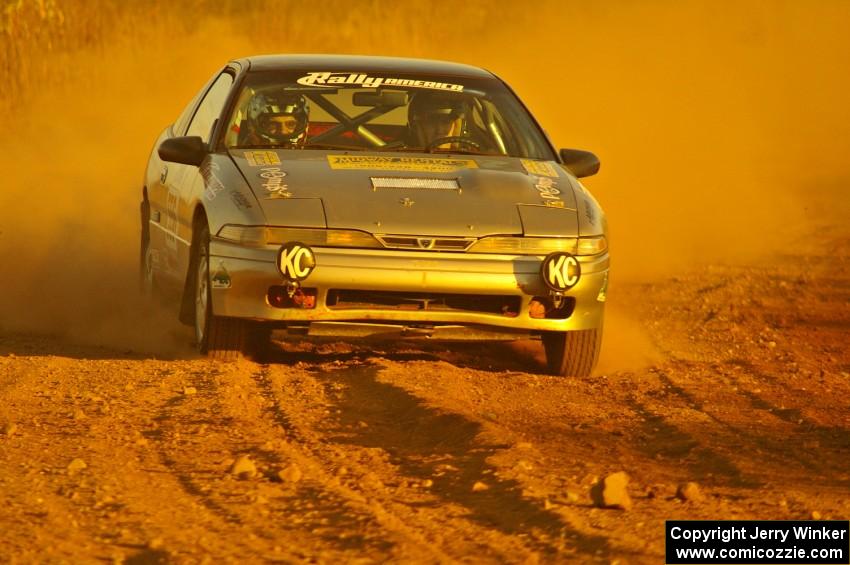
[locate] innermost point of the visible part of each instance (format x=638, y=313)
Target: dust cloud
x=69, y=206
x=723, y=130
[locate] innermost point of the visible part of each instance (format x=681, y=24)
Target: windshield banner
x=328, y=80
x=413, y=164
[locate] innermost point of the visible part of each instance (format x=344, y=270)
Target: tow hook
x=292, y=287
x=557, y=298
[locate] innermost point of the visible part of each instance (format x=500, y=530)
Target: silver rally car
x=376, y=198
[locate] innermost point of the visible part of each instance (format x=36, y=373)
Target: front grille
x=424, y=243
x=338, y=299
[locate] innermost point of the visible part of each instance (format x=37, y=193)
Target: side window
x=210, y=108
x=183, y=120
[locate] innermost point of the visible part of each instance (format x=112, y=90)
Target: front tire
x=216, y=336
x=572, y=354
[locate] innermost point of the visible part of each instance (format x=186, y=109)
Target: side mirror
x=186, y=150
x=580, y=163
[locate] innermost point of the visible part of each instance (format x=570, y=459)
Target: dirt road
x=359, y=452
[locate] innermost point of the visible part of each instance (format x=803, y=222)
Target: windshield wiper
x=333, y=146
x=465, y=152
x=256, y=146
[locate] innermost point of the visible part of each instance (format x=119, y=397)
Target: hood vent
x=413, y=182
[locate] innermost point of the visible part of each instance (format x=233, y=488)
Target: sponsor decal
x=330, y=80
x=561, y=271
x=273, y=183
x=603, y=291
x=240, y=200
x=262, y=158
x=172, y=210
x=221, y=278
x=539, y=168
x=549, y=190
x=213, y=184
x=214, y=187
x=295, y=261
x=412, y=164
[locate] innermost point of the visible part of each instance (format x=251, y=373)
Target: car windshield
x=382, y=112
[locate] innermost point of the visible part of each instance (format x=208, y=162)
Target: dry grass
x=37, y=35
x=39, y=38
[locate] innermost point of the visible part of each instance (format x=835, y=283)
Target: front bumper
x=251, y=271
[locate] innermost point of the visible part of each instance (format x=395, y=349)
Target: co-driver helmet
x=279, y=117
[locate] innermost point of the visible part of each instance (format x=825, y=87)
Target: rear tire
x=572, y=354
x=217, y=337
x=146, y=278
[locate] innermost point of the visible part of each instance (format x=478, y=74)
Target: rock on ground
x=243, y=468
x=290, y=474
x=611, y=492
x=689, y=491
x=76, y=465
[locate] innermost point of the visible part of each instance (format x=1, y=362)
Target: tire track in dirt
x=35, y=486
x=658, y=436
x=177, y=427
x=369, y=415
x=168, y=417
x=770, y=424
x=672, y=443
x=110, y=507
x=302, y=449
x=668, y=441
x=271, y=528
x=804, y=431
x=772, y=446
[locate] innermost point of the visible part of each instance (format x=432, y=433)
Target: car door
x=170, y=200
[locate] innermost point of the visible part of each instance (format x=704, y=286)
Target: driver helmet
x=279, y=118
x=432, y=116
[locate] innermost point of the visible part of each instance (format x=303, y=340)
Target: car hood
x=411, y=194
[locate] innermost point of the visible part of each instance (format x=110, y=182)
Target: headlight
x=539, y=245
x=269, y=235
x=523, y=245
x=244, y=235
x=591, y=245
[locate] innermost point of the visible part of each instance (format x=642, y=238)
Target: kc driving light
x=295, y=261
x=560, y=271
x=269, y=235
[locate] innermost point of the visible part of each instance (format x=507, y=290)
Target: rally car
x=372, y=197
